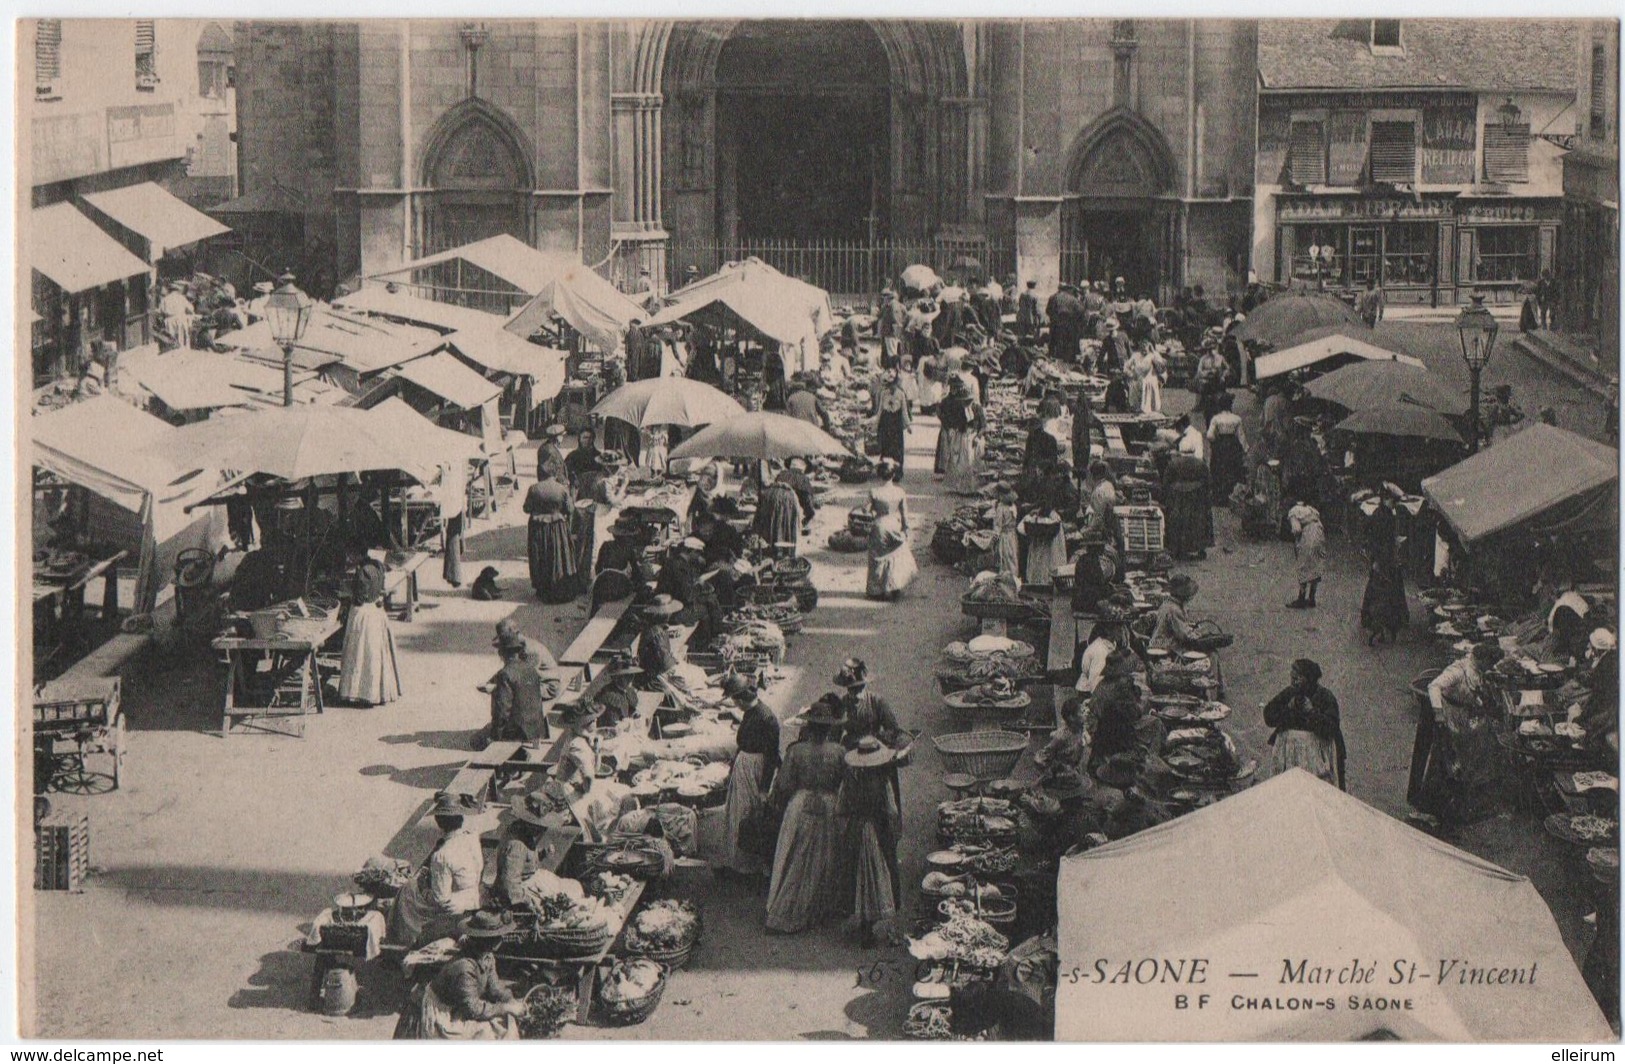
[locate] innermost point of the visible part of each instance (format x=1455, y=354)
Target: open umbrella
x=296, y=442
x=668, y=401
x=1286, y=316
x=1399, y=419
x=1363, y=385
x=918, y=277
x=759, y=435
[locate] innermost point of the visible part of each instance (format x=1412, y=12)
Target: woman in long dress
x=446, y=886
x=552, y=555
x=962, y=424
x=1154, y=369
x=1383, y=608
x=466, y=1001
x=1187, y=501
x=595, y=803
x=1308, y=729
x=805, y=863
x=891, y=560
x=1263, y=514
x=892, y=418
x=1227, y=447
x=1046, y=546
x=1006, y=524
x=1135, y=368
x=873, y=824
x=1309, y=543
x=751, y=778
x=778, y=513
x=369, y=674
x=1455, y=767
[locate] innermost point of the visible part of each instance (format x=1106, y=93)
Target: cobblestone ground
x=212, y=859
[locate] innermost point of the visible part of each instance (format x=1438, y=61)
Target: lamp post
x=288, y=311
x=1477, y=328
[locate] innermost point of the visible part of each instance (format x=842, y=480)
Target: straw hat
x=578, y=712
x=1119, y=770
x=448, y=804
x=538, y=809
x=623, y=665
x=736, y=686
x=870, y=753
x=663, y=606
x=485, y=924
x=826, y=711
x=553, y=431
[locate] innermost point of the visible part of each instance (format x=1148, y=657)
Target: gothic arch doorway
x=477, y=175
x=1119, y=219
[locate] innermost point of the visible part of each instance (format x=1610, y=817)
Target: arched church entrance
x=1119, y=219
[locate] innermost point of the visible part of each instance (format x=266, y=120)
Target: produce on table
x=610, y=887
x=630, y=980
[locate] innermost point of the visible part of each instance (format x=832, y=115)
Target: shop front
x=1431, y=251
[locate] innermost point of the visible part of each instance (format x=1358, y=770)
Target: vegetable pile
x=663, y=925
x=546, y=1010
x=631, y=980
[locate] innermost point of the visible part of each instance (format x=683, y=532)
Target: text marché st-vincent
x=1194, y=971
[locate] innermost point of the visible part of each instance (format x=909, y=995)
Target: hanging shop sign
x=1331, y=210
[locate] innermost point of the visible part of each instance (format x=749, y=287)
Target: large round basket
x=672, y=959
x=987, y=755
x=560, y=942
x=626, y=1013
x=961, y=701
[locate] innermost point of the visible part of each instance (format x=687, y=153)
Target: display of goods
x=965, y=939
x=784, y=616
x=846, y=543
x=947, y=543
x=1183, y=709
x=994, y=587
x=631, y=991
x=665, y=931
x=756, y=637
x=547, y=1010
x=610, y=887
x=929, y=1021
x=998, y=694
x=1143, y=528
x=1211, y=758
x=792, y=568
x=1583, y=828
x=996, y=911
x=856, y=470
x=1604, y=860
x=383, y=877
x=631, y=860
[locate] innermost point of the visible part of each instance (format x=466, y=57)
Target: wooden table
x=587, y=970
x=59, y=606
x=403, y=579
x=86, y=713
x=590, y=640
x=296, y=682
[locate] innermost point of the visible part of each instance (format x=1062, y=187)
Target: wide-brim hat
x=662, y=606
x=1181, y=586
x=870, y=753
x=485, y=924
x=623, y=667
x=554, y=431
x=536, y=809
x=577, y=712
x=1064, y=786
x=823, y=714
x=1115, y=613
x=853, y=672
x=1119, y=770
x=264, y=287
x=448, y=804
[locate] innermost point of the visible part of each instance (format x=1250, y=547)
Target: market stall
x=790, y=313
x=1326, y=348
x=1299, y=881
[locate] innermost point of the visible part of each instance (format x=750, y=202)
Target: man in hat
x=802, y=403
x=655, y=655
x=865, y=713
x=890, y=326
x=550, y=463
x=1029, y=315
x=619, y=700
x=1114, y=348
x=520, y=692
x=446, y=886
x=1174, y=631
x=722, y=541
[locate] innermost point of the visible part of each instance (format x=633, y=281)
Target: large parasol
x=1363, y=385
x=1399, y=419
x=296, y=442
x=1285, y=317
x=920, y=278
x=760, y=435
x=668, y=401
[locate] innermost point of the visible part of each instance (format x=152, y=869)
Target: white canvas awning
x=162, y=220
x=74, y=252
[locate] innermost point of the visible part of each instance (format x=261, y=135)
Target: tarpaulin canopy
x=268, y=199
x=1327, y=345
x=781, y=308
x=447, y=317
x=1256, y=903
x=442, y=374
x=435, y=444
x=106, y=446
x=295, y=442
x=500, y=351
x=364, y=344
x=160, y=219
x=557, y=284
x=759, y=435
x=1543, y=480
x=74, y=252
x=186, y=380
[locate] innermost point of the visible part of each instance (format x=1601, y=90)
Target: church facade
x=1077, y=149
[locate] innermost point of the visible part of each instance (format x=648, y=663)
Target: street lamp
x=1478, y=329
x=287, y=309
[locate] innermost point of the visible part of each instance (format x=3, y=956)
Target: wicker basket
x=572, y=941
x=987, y=755
x=672, y=959
x=633, y=1010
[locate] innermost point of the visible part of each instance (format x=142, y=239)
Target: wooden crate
x=62, y=852
x=1143, y=528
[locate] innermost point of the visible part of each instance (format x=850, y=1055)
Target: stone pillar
x=638, y=223
x=964, y=174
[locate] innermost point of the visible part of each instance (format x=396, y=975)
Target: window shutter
x=1393, y=152
x=1506, y=153
x=1599, y=90
x=47, y=52
x=145, y=36
x=146, y=53
x=1308, y=153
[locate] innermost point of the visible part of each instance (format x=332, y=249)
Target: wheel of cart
x=75, y=721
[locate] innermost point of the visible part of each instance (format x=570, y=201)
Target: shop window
x=47, y=58
x=1599, y=92
x=1407, y=255
x=1506, y=153
x=1319, y=268
x=1385, y=36
x=1393, y=153
x=1507, y=254
x=1307, y=164
x=1365, y=256
x=146, y=54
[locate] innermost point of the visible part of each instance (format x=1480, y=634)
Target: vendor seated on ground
x=1069, y=744
x=521, y=851
x=723, y=543
x=680, y=578
x=466, y=1000
x=1598, y=713
x=655, y=654
x=1120, y=722
x=264, y=577
x=1174, y=631
x=447, y=884
x=619, y=700
x=1109, y=633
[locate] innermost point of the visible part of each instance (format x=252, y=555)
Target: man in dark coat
x=637, y=350
x=520, y=692
x=1116, y=708
x=1029, y=317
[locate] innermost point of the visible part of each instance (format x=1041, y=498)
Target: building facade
x=1589, y=245
x=106, y=105
x=1414, y=153
x=1086, y=147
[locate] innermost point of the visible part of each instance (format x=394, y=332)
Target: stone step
x=1566, y=358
